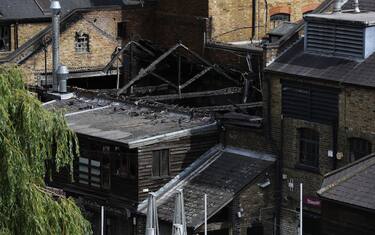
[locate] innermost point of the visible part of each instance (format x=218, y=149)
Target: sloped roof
x=221, y=173
x=32, y=9
x=127, y=123
x=353, y=184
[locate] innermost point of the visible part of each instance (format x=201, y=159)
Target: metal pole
x=301, y=209
x=102, y=221
x=118, y=76
x=205, y=214
x=55, y=7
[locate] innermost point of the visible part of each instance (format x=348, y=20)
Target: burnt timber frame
x=150, y=70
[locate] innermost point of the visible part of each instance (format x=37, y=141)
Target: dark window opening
x=160, y=163
x=121, y=29
x=4, y=37
x=358, y=148
x=82, y=42
x=277, y=19
x=309, y=147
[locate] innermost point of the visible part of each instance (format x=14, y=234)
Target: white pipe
x=301, y=209
x=102, y=221
x=205, y=214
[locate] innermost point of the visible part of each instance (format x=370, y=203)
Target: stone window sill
x=305, y=167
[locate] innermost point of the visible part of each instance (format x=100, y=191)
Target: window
x=358, y=148
x=309, y=147
x=121, y=29
x=160, y=163
x=4, y=37
x=82, y=42
x=92, y=173
x=277, y=19
x=89, y=172
x=309, y=102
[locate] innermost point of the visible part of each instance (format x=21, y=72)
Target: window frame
x=82, y=43
x=157, y=158
x=309, y=147
x=360, y=146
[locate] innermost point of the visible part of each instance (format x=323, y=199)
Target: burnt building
x=320, y=108
x=347, y=196
x=126, y=151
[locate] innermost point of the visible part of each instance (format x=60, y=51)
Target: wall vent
x=336, y=40
x=341, y=35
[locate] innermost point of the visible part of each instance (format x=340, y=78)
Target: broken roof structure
x=352, y=184
x=130, y=124
x=221, y=173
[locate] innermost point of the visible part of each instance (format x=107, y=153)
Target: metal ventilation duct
x=334, y=39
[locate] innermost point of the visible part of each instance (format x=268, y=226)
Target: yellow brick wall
x=29, y=30
x=232, y=19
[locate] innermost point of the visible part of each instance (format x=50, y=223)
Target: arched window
x=358, y=148
x=279, y=18
x=82, y=42
x=309, y=147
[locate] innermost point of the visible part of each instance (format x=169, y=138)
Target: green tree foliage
x=29, y=136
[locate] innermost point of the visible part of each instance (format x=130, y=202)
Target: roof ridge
x=349, y=165
x=348, y=176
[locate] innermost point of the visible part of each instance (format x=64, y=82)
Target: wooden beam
x=215, y=67
x=196, y=77
x=226, y=91
x=150, y=68
x=229, y=107
x=164, y=80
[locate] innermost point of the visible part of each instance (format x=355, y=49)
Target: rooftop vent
x=348, y=35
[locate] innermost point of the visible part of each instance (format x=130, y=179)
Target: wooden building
x=127, y=151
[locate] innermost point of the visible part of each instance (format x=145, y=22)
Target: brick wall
x=28, y=30
x=356, y=119
x=232, y=19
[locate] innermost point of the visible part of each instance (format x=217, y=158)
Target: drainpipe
x=254, y=20
x=334, y=142
x=337, y=8
x=56, y=10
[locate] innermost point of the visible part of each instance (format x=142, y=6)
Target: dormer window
x=82, y=42
x=4, y=37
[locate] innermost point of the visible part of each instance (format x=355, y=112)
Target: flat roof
x=363, y=18
x=127, y=123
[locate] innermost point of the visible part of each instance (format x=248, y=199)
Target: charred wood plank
x=196, y=77
x=164, y=80
x=149, y=69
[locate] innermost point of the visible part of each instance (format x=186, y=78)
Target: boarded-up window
x=160, y=163
x=359, y=148
x=309, y=102
x=278, y=19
